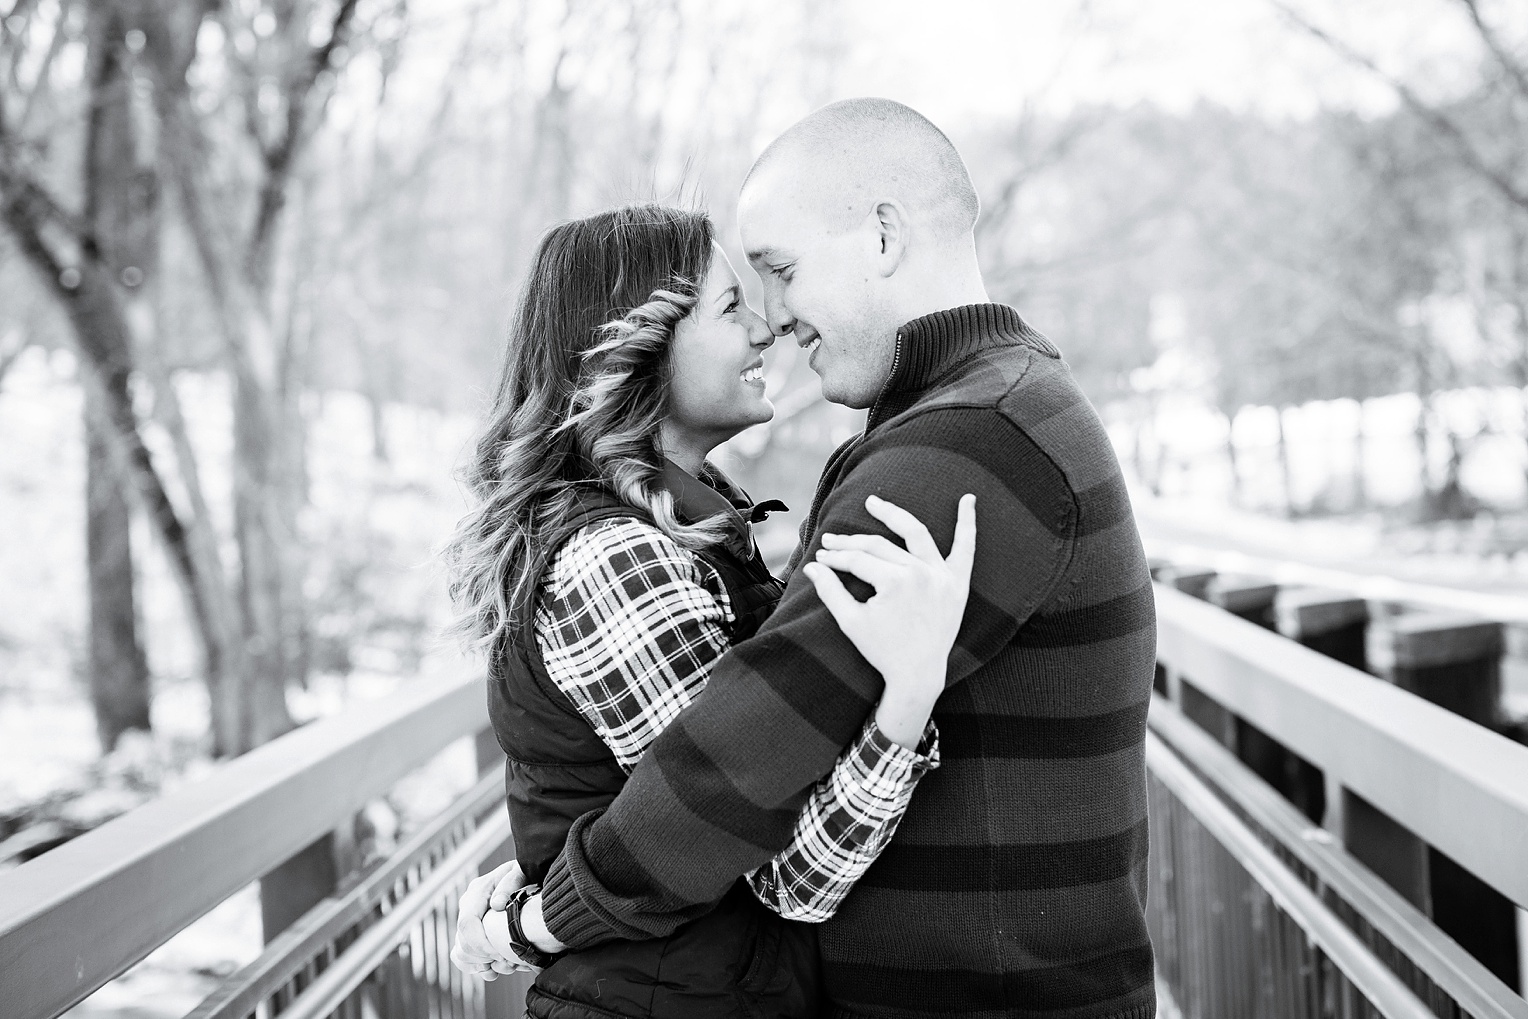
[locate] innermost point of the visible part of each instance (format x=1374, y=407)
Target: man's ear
x=893, y=231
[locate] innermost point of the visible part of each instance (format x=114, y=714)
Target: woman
x=609, y=565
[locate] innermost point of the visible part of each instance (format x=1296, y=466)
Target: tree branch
x=1439, y=121
x=18, y=186
x=281, y=157
x=1493, y=42
x=10, y=354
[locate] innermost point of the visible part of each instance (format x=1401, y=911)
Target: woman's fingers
x=877, y=545
x=871, y=569
x=831, y=590
x=963, y=549
x=511, y=880
x=907, y=527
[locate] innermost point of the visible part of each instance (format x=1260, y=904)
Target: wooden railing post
x=1334, y=625
x=1251, y=598
x=1191, y=580
x=1208, y=714
x=1449, y=658
x=1330, y=622
x=1454, y=661
x=299, y=884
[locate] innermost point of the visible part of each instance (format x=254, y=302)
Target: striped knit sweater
x=1016, y=884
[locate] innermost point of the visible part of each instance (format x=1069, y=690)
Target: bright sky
x=958, y=58
x=961, y=61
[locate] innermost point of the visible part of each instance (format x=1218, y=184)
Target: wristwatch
x=524, y=948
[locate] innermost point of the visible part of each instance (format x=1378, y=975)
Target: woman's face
x=716, y=364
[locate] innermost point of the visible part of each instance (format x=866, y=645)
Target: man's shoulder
x=1019, y=390
x=1023, y=417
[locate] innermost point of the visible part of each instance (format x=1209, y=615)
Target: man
x=1016, y=882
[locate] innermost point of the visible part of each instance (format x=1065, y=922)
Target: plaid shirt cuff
x=850, y=817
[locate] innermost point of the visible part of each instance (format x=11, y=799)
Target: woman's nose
x=759, y=333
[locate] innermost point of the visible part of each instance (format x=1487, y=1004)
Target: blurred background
x=257, y=256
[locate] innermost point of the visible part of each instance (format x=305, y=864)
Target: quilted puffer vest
x=738, y=960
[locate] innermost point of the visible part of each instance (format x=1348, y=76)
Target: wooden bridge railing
x=1390, y=766
x=1256, y=910
x=78, y=916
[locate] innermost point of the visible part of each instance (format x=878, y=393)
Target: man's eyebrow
x=762, y=254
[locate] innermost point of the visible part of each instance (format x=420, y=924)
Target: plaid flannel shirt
x=629, y=625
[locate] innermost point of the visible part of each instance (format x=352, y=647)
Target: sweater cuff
x=566, y=916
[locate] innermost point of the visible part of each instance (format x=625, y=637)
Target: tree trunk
x=1424, y=469
x=121, y=206
x=119, y=671
x=1360, y=462
x=1524, y=397
x=1289, y=488
x=100, y=330
x=1236, y=481
x=262, y=538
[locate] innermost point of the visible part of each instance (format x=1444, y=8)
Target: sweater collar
x=928, y=347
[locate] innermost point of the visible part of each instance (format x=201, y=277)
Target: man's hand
x=473, y=953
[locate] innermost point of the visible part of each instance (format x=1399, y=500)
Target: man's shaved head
x=852, y=153
x=859, y=219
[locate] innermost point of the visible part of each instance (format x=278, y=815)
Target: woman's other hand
x=475, y=951
x=908, y=626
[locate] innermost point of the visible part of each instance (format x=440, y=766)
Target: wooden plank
x=76, y=917
x=1459, y=786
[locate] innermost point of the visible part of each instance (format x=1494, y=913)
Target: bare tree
x=286, y=82
x=282, y=84
x=1485, y=134
x=75, y=265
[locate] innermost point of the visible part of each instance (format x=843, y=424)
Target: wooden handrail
x=1382, y=988
x=78, y=916
x=1456, y=785
x=1464, y=979
x=359, y=960
x=320, y=928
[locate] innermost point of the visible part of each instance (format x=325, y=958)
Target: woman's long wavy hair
x=581, y=394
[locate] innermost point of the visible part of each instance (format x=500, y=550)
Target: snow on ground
x=1185, y=444
x=378, y=595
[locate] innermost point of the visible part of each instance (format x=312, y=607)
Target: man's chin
x=845, y=396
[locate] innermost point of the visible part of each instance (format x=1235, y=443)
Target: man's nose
x=781, y=321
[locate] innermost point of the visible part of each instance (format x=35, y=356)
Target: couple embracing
x=908, y=779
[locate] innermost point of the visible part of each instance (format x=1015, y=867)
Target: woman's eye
x=730, y=308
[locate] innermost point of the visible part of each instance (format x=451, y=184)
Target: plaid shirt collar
x=713, y=494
